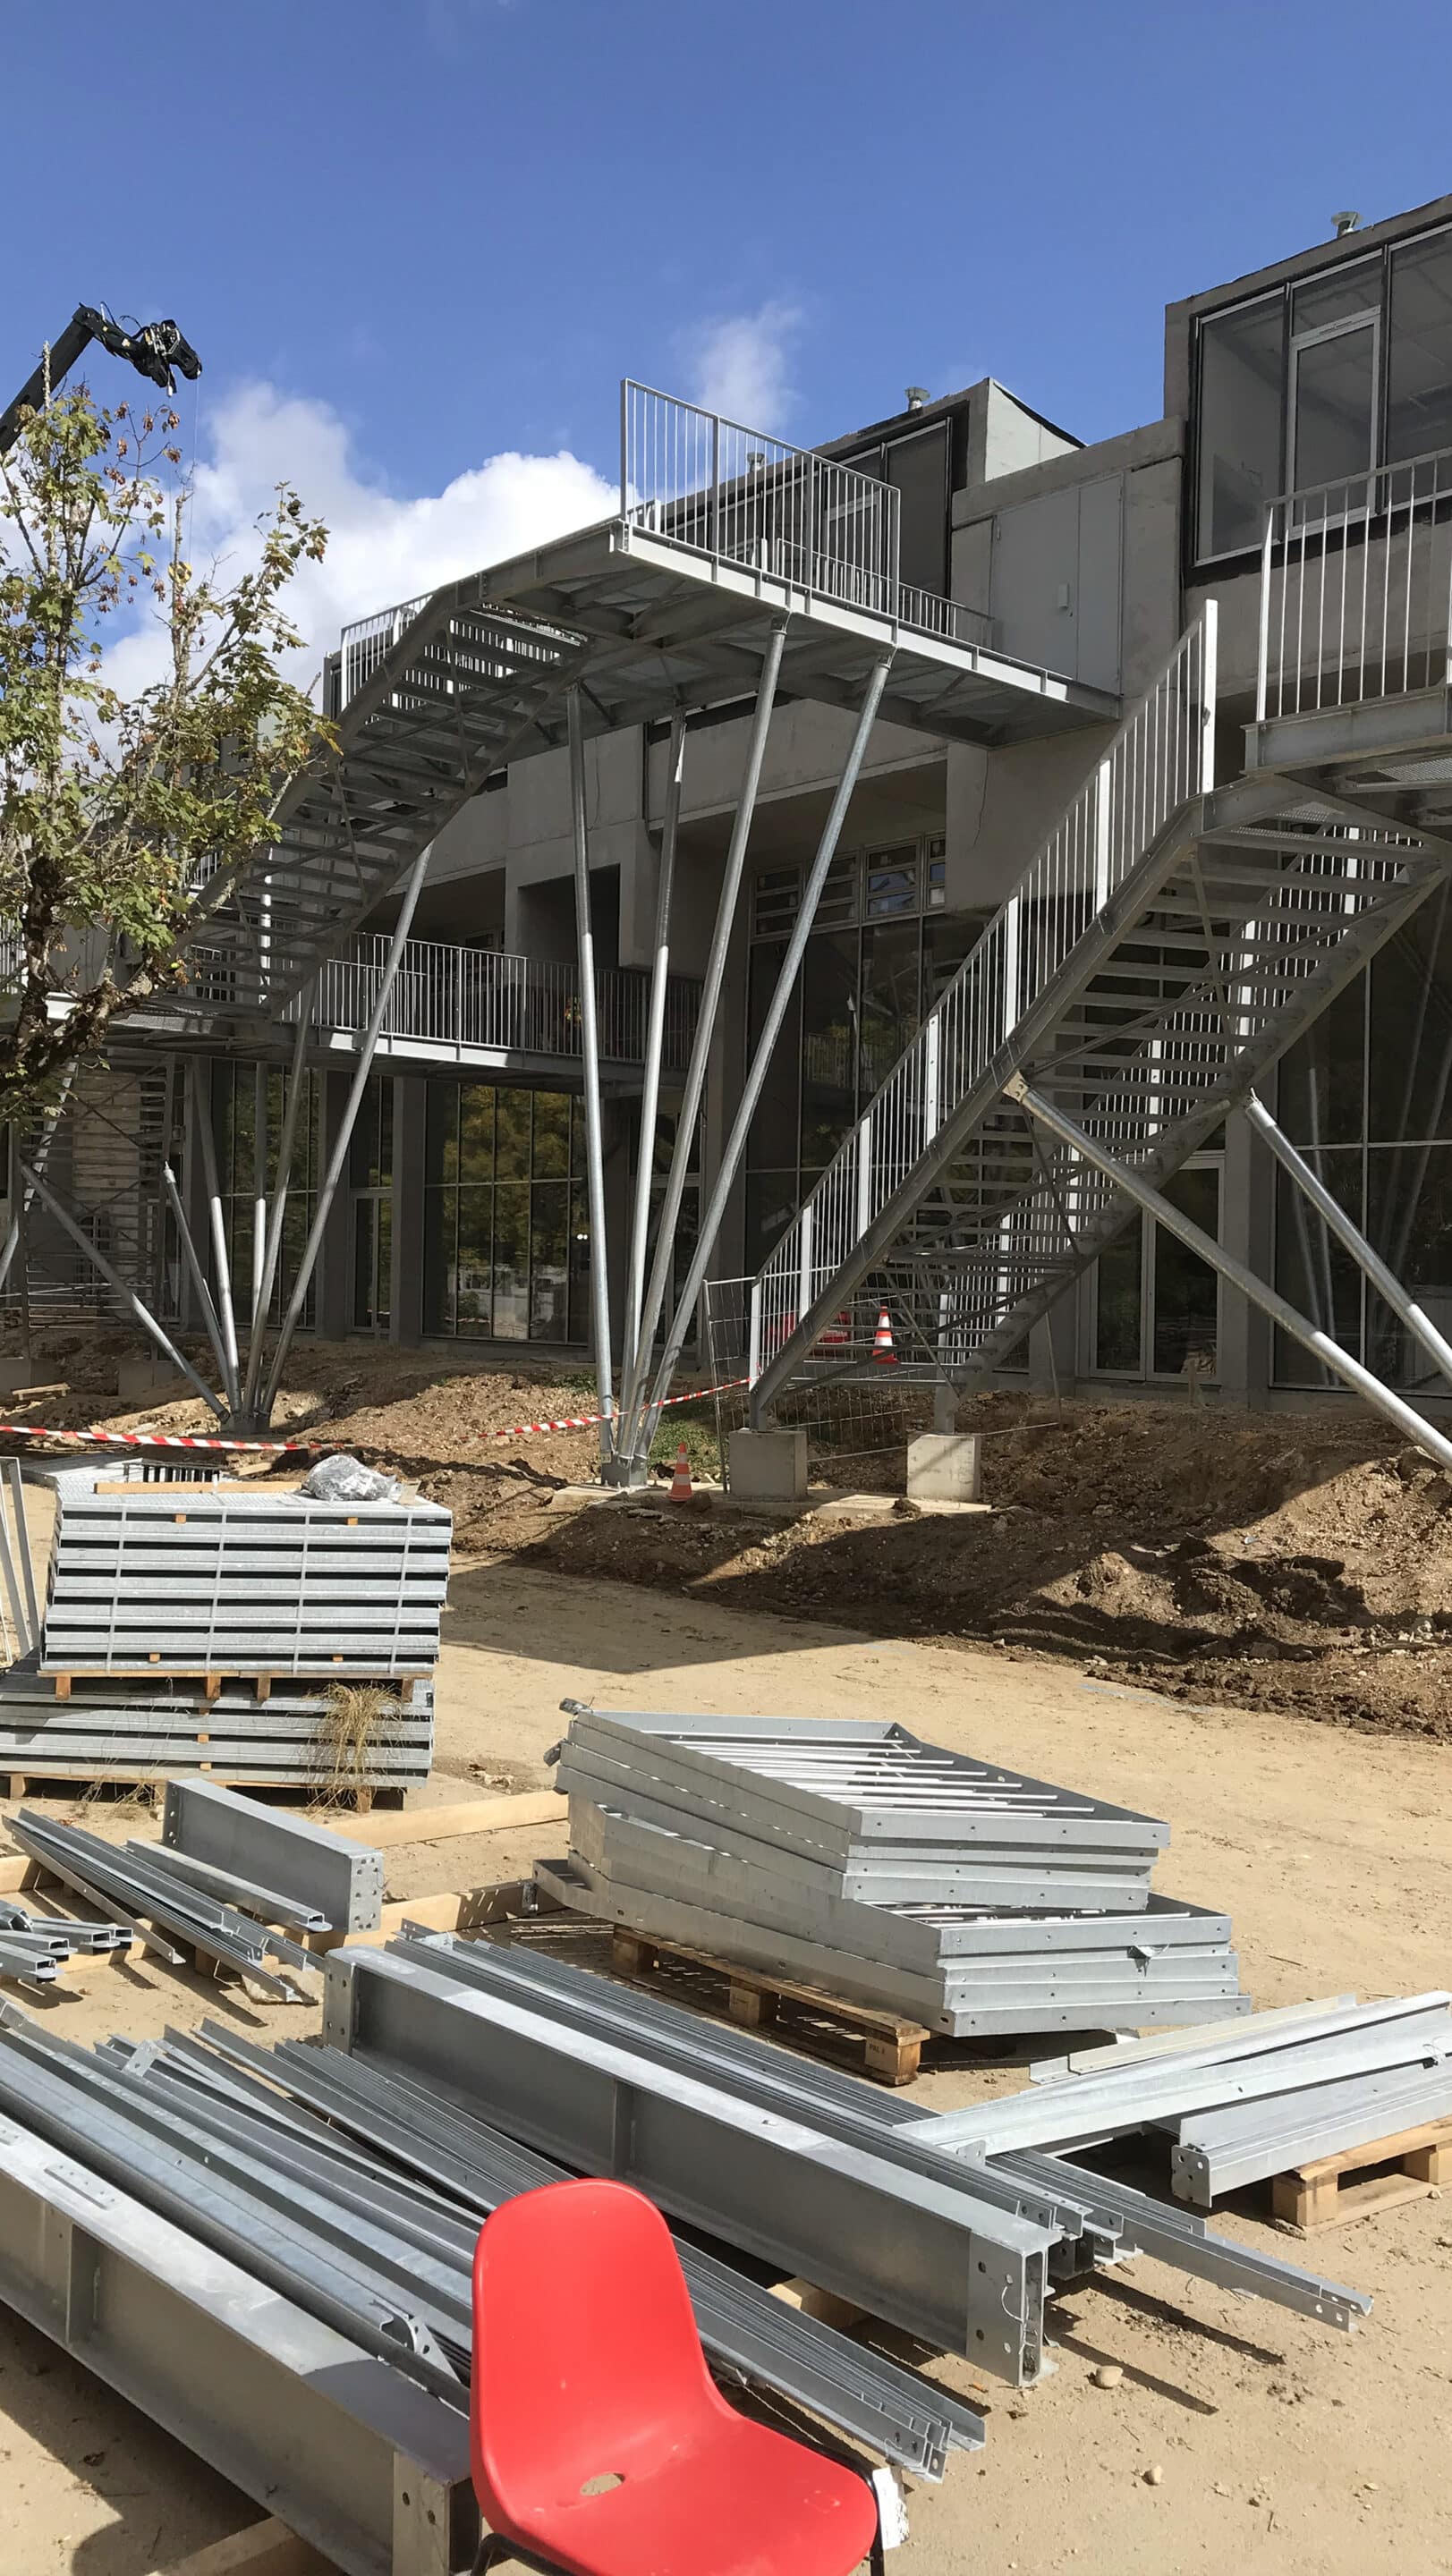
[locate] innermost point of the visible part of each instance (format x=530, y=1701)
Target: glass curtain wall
x=1367, y=1096
x=879, y=959
x=244, y=1095
x=506, y=1225
x=1348, y=368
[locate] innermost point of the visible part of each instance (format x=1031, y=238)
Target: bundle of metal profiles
x=141, y=1888
x=35, y=1947
x=1241, y=2101
x=360, y=2198
x=893, y=1872
x=137, y=1727
x=146, y=1578
x=796, y=2165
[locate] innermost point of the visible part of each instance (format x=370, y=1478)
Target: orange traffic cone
x=681, y=1481
x=882, y=1349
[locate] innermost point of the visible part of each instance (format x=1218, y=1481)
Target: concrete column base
x=768, y=1466
x=945, y=1467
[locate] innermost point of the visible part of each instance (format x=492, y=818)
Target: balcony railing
x=741, y=497
x=1356, y=585
x=466, y=998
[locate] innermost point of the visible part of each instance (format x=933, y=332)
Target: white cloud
x=381, y=547
x=739, y=365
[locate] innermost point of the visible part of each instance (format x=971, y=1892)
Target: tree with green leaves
x=119, y=806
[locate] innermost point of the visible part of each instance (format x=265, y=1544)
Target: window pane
x=945, y=945
x=889, y=999
x=441, y=1131
x=1409, y=1070
x=579, y=1262
x=1419, y=394
x=1187, y=1307
x=1335, y=398
x=441, y=1216
x=1335, y=297
x=551, y=1136
x=771, y=1203
x=1116, y=1317
x=1314, y=1271
x=1321, y=1099
x=476, y=1132
x=829, y=1043
x=511, y=1261
x=512, y=1135
x=1241, y=370
x=1409, y=1219
x=773, y=1142
x=549, y=1266
x=473, y=1270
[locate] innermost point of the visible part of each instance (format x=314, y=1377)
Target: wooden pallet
x=890, y=2045
x=1326, y=2192
x=399, y=1684
x=20, y=1785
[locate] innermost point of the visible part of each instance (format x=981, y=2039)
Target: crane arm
x=155, y=349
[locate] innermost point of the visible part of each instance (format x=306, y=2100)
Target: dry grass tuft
x=351, y=1717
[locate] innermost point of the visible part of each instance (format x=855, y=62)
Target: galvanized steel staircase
x=454, y=690
x=1165, y=946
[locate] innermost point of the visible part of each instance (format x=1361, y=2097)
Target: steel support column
x=590, y=1050
x=1388, y=1287
x=139, y=1313
x=328, y=1187
x=764, y=1049
x=632, y=1451
x=654, y=1048
x=287, y=1146
x=1280, y=1310
x=201, y=1102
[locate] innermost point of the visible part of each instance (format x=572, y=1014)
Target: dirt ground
x=1281, y=2447
x=1297, y=1562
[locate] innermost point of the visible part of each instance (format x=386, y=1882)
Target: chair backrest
x=587, y=2363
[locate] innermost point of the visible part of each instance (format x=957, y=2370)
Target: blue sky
x=410, y=238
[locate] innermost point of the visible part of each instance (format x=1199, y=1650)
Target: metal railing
x=1356, y=589
x=1162, y=755
x=742, y=497
x=369, y=640
x=479, y=997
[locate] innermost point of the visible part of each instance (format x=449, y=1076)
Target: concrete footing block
x=768, y=1466
x=945, y=1467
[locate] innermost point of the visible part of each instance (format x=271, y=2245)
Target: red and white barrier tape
x=157, y=1439
x=275, y=1448
x=589, y=1421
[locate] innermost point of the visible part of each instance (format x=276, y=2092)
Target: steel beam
x=354, y=2458
x=1408, y=1421
x=654, y=1049
x=1388, y=1287
x=344, y=1880
x=139, y=1312
x=963, y=2274
x=590, y=1054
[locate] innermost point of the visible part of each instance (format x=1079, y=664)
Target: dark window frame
x=1236, y=558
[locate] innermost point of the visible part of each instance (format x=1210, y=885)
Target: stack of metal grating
x=858, y=1859
x=215, y=1579
x=196, y=1627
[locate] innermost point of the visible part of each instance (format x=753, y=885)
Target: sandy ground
x=1280, y=2447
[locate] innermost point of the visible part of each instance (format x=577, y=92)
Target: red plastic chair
x=601, y=2445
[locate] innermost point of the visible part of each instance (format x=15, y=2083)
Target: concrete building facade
x=464, y=1221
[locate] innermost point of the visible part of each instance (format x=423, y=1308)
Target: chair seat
x=742, y=2501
